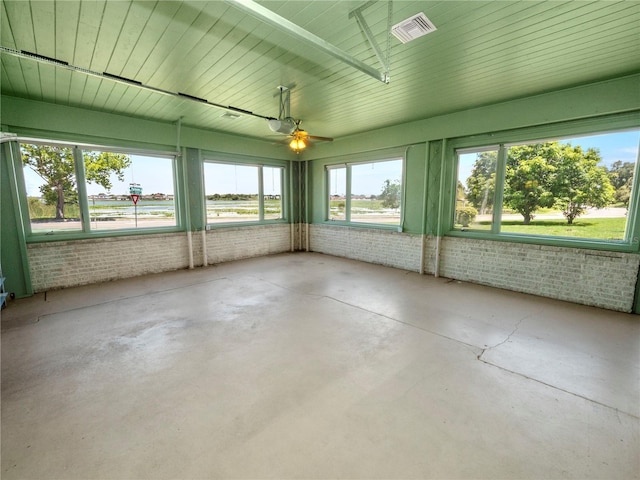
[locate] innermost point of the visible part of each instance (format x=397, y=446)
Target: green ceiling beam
x=264, y=14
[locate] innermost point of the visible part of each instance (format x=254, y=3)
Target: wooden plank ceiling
x=481, y=53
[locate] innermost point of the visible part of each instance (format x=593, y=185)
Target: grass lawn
x=600, y=228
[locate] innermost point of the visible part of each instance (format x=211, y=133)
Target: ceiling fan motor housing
x=286, y=125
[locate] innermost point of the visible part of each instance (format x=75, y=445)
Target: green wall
x=58, y=122
x=54, y=122
x=602, y=98
x=424, y=143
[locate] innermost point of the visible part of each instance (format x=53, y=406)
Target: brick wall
x=598, y=278
x=80, y=262
x=384, y=247
x=234, y=243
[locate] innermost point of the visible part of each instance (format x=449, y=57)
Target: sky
x=154, y=174
x=222, y=178
x=366, y=178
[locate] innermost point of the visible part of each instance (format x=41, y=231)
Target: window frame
x=259, y=163
x=348, y=184
x=504, y=140
x=83, y=201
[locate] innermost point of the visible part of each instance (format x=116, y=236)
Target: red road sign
x=135, y=199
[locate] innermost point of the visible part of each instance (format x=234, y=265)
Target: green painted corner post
x=433, y=189
x=13, y=247
x=633, y=232
x=193, y=190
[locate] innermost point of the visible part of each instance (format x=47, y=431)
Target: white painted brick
x=79, y=262
x=235, y=243
x=383, y=247
x=602, y=279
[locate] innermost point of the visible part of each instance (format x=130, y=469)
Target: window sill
x=569, y=242
x=66, y=236
x=248, y=223
x=377, y=226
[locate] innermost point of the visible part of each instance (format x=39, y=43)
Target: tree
x=623, y=195
x=481, y=182
x=543, y=175
x=621, y=173
x=528, y=178
x=461, y=195
x=55, y=165
x=621, y=177
x=390, y=195
x=579, y=182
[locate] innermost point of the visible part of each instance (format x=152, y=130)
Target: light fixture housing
x=285, y=125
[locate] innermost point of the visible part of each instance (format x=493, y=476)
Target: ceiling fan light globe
x=297, y=144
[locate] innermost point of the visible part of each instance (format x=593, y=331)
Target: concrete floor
x=310, y=366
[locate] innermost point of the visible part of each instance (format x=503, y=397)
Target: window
x=111, y=194
x=272, y=191
x=475, y=188
x=82, y=189
x=51, y=187
x=337, y=193
x=576, y=187
x=242, y=193
x=366, y=192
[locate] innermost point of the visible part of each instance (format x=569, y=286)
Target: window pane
x=110, y=177
x=337, y=193
x=572, y=187
x=52, y=192
x=376, y=192
x=272, y=189
x=231, y=192
x=475, y=190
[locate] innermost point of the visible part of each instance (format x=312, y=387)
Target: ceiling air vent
x=413, y=27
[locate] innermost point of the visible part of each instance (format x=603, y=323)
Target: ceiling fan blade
x=322, y=139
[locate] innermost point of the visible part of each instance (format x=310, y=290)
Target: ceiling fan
x=299, y=139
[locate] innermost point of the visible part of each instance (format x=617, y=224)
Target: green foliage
x=621, y=177
x=528, y=175
x=461, y=194
x=41, y=211
x=55, y=165
x=623, y=194
x=390, y=195
x=465, y=215
x=544, y=175
x=232, y=197
x=481, y=182
x=580, y=182
x=621, y=174
x=98, y=167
